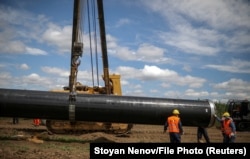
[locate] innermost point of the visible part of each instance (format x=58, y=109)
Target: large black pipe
x=104, y=108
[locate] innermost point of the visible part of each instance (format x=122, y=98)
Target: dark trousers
x=224, y=137
x=228, y=139
x=202, y=131
x=175, y=137
x=15, y=120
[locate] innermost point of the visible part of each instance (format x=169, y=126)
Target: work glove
x=232, y=134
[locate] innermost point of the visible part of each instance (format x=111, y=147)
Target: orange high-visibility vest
x=226, y=126
x=36, y=121
x=173, y=122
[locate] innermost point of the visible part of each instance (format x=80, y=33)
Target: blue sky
x=184, y=49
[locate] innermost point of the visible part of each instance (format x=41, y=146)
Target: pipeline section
x=104, y=108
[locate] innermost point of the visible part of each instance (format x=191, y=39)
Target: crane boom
x=103, y=46
x=76, y=49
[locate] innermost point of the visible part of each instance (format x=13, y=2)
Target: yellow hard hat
x=176, y=112
x=226, y=114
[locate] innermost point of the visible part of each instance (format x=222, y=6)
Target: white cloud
x=193, y=93
x=234, y=66
x=138, y=86
x=138, y=92
x=234, y=85
x=35, y=51
x=165, y=85
x=13, y=47
x=153, y=91
x=122, y=21
x=146, y=52
x=204, y=28
x=239, y=42
x=192, y=40
x=124, y=82
x=235, y=88
x=24, y=66
x=22, y=29
x=134, y=92
x=187, y=68
x=154, y=73
x=83, y=76
x=173, y=94
x=55, y=71
x=217, y=14
x=58, y=36
x=5, y=79
x=19, y=29
x=31, y=81
x=194, y=82
x=34, y=79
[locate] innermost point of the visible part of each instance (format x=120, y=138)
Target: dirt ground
x=25, y=141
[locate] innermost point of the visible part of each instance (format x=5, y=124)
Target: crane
x=76, y=53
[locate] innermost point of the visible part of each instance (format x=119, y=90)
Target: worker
x=220, y=120
x=202, y=131
x=15, y=120
x=228, y=128
x=175, y=127
x=221, y=125
x=36, y=122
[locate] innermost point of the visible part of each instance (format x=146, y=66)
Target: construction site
x=25, y=141
x=77, y=115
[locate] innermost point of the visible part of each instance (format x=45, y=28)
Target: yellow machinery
x=112, y=83
x=67, y=127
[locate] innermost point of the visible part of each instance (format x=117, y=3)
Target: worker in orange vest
x=229, y=128
x=226, y=116
x=174, y=127
x=36, y=121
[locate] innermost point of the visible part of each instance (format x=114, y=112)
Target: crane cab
x=240, y=113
